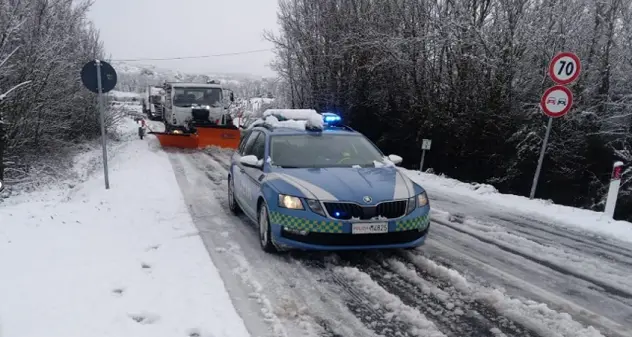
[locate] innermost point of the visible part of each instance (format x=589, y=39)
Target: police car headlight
x=422, y=199
x=412, y=204
x=290, y=202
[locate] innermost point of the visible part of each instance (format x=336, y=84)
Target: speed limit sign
x=564, y=68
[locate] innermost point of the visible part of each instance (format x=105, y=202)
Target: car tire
x=265, y=233
x=232, y=202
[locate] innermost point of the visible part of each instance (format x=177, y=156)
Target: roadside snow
x=124, y=94
x=85, y=261
x=558, y=215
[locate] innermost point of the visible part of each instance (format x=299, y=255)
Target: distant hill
x=136, y=77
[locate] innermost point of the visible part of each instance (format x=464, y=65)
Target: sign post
x=557, y=100
x=100, y=77
x=613, y=190
x=425, y=145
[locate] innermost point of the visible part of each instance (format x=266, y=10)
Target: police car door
x=252, y=174
x=239, y=173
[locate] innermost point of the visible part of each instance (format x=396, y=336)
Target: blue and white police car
x=311, y=183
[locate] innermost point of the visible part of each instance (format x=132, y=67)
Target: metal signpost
x=425, y=145
x=100, y=77
x=557, y=100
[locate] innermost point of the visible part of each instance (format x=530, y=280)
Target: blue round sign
x=89, y=76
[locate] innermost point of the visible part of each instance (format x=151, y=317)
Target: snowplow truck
x=153, y=101
x=196, y=115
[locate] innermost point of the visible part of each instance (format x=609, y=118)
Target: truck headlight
x=290, y=202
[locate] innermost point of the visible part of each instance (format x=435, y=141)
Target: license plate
x=369, y=228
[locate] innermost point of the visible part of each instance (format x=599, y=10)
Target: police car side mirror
x=395, y=159
x=251, y=161
x=1, y=186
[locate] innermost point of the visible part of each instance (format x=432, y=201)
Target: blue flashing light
x=331, y=118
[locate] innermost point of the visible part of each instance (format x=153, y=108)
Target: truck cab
x=195, y=104
x=152, y=102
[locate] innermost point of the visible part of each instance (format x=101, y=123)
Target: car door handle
x=242, y=170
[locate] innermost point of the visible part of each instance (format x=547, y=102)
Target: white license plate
x=369, y=228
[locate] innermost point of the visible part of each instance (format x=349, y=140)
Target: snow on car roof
x=297, y=119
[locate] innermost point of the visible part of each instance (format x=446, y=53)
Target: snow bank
x=85, y=261
x=563, y=216
x=123, y=94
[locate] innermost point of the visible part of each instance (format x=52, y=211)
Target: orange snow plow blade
x=178, y=140
x=222, y=136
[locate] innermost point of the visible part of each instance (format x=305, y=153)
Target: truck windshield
x=323, y=150
x=154, y=99
x=187, y=97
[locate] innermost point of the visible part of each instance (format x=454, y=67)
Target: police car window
x=325, y=150
x=251, y=140
x=258, y=148
x=244, y=140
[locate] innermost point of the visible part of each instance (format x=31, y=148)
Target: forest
x=43, y=46
x=469, y=74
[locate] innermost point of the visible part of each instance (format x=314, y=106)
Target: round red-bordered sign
x=556, y=101
x=564, y=68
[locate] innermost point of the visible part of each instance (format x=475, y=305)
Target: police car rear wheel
x=265, y=238
x=232, y=203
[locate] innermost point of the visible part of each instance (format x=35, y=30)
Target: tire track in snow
x=220, y=156
x=527, y=279
x=455, y=313
x=546, y=234
x=608, y=287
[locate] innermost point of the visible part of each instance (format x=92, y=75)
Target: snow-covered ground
x=134, y=261
x=80, y=260
x=124, y=94
x=487, y=197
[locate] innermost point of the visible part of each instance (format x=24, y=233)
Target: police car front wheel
x=265, y=237
x=232, y=203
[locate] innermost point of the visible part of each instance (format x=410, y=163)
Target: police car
x=311, y=183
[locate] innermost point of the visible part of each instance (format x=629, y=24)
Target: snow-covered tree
x=44, y=43
x=469, y=74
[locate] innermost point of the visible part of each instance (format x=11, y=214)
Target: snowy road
x=501, y=274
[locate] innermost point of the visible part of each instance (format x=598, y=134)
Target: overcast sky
x=133, y=29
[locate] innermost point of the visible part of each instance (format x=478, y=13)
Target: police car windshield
x=323, y=150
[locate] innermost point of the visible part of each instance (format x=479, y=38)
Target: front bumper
x=309, y=231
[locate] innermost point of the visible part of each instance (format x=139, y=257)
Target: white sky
x=132, y=29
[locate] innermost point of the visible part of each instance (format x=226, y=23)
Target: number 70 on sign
x=564, y=68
